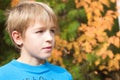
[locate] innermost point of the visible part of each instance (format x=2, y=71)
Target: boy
x=32, y=26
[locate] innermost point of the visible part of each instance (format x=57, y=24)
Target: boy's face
x=38, y=41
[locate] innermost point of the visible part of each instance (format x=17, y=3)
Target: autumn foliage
x=92, y=38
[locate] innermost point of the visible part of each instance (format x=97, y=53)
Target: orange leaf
x=110, y=54
x=14, y=3
x=105, y=2
x=118, y=34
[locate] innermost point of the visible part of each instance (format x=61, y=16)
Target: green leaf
x=64, y=35
x=59, y=8
x=72, y=14
x=91, y=57
x=2, y=16
x=72, y=30
x=76, y=13
x=76, y=72
x=7, y=38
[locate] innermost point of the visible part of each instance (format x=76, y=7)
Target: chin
x=45, y=57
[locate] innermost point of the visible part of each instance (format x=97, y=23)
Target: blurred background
x=88, y=44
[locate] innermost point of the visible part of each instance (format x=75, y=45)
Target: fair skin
x=36, y=45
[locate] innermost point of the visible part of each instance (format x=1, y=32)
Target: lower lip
x=48, y=49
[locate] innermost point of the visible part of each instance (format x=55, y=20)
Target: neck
x=31, y=61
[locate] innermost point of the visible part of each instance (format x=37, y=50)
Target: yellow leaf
x=117, y=56
x=113, y=65
x=87, y=47
x=102, y=67
x=97, y=12
x=89, y=16
x=113, y=1
x=97, y=62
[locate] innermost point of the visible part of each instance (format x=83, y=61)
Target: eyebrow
x=53, y=27
x=44, y=27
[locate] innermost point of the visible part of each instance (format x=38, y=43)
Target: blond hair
x=26, y=12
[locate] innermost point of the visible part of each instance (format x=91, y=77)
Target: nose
x=48, y=37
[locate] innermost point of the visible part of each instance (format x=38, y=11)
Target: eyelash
x=41, y=31
x=53, y=31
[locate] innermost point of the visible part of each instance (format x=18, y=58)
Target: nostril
x=49, y=41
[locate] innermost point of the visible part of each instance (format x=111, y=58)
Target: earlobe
x=17, y=38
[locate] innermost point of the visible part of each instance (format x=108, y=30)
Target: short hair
x=20, y=16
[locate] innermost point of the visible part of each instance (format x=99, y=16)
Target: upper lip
x=48, y=47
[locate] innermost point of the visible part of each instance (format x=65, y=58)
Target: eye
x=40, y=31
x=52, y=30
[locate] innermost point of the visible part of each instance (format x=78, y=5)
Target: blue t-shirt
x=19, y=71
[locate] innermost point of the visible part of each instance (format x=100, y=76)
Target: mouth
x=48, y=48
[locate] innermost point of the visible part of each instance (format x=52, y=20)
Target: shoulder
x=56, y=68
x=5, y=69
x=59, y=69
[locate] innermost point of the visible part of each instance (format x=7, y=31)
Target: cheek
x=53, y=42
x=31, y=40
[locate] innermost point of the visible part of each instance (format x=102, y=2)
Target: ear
x=17, y=38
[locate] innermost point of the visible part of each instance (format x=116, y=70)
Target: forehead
x=41, y=24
